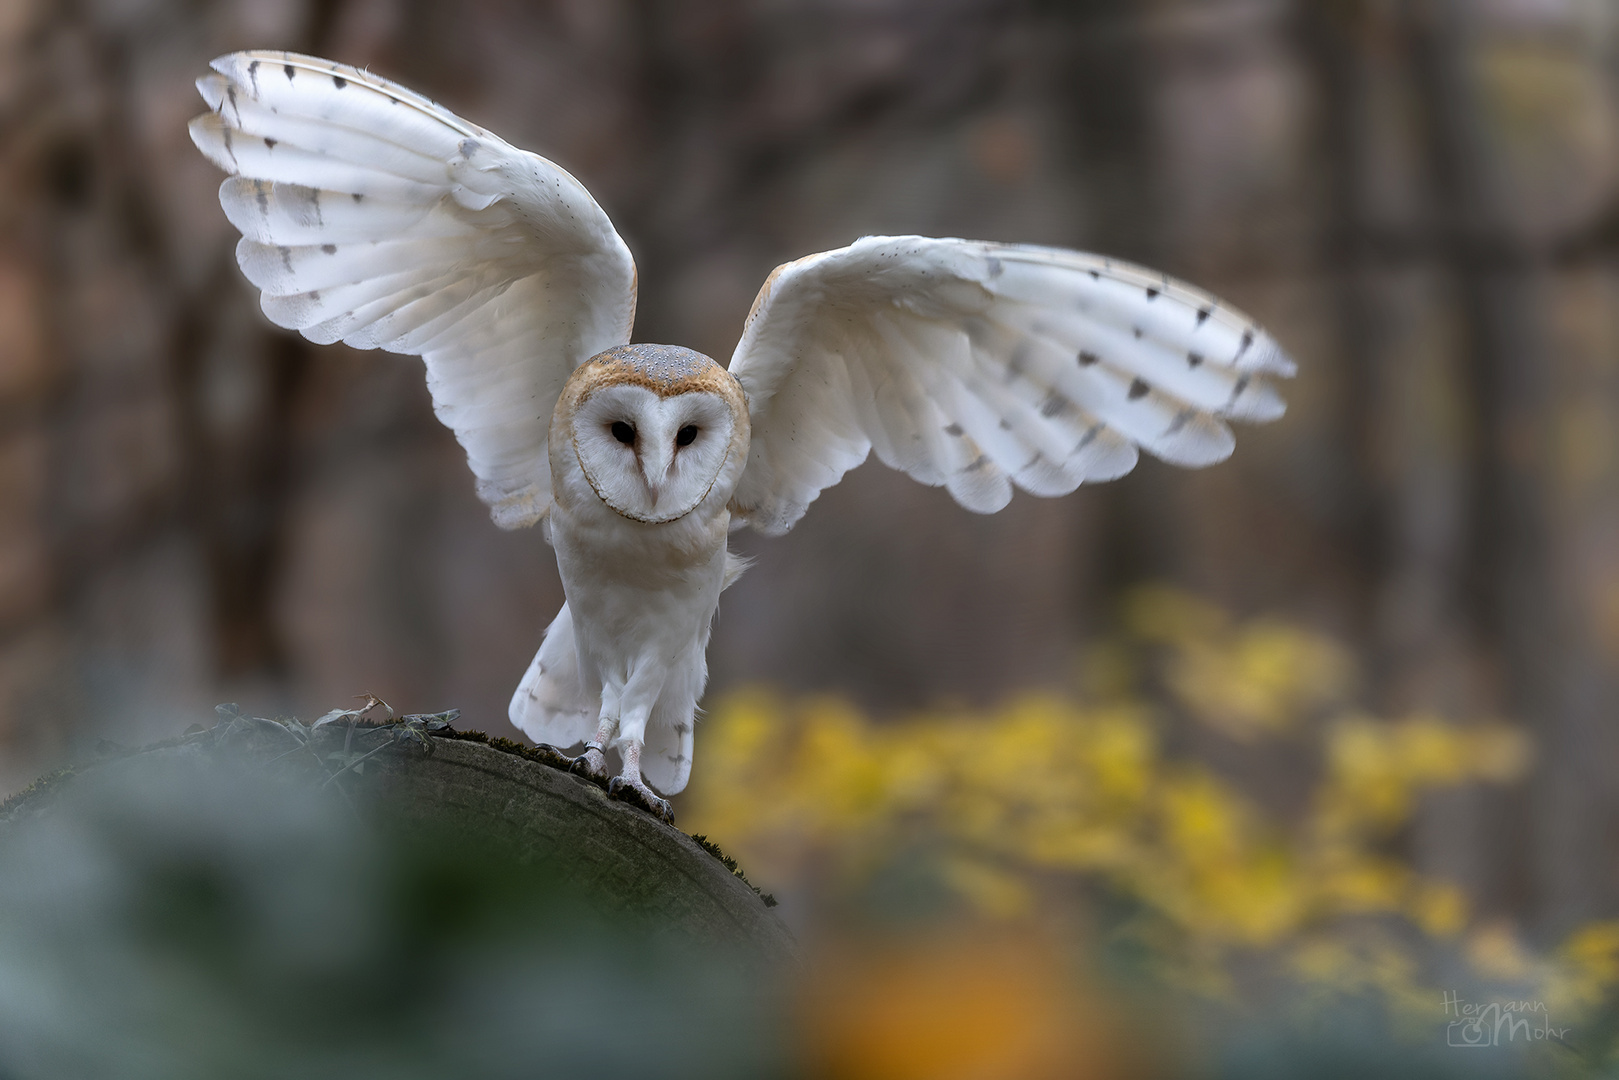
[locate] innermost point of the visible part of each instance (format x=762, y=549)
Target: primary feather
x=985, y=366
x=372, y=216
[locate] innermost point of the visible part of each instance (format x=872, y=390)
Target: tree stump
x=506, y=798
x=270, y=899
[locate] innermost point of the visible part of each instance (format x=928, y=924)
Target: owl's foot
x=592, y=764
x=636, y=793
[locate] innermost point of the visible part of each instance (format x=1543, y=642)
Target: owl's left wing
x=373, y=216
x=980, y=366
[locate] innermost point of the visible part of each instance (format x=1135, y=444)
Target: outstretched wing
x=373, y=216
x=979, y=366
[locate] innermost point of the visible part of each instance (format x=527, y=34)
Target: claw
x=637, y=793
x=592, y=764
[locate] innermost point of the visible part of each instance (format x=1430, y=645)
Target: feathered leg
x=639, y=696
x=592, y=764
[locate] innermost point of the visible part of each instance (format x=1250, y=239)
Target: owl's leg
x=629, y=786
x=639, y=696
x=592, y=764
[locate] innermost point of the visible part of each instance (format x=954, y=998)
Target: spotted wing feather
x=372, y=216
x=983, y=367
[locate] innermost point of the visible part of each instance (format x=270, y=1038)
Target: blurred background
x=1418, y=198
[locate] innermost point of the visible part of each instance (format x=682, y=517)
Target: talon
x=638, y=794
x=592, y=769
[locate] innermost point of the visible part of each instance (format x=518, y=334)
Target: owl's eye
x=685, y=435
x=623, y=432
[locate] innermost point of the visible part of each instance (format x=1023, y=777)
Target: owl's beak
x=655, y=458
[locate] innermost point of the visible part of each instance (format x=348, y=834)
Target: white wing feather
x=373, y=216
x=981, y=366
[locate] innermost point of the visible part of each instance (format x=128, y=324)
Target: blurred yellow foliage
x=1048, y=789
x=1246, y=680
x=1588, y=966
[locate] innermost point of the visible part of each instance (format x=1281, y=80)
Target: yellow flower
x=1021, y=804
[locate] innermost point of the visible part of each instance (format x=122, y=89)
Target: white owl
x=373, y=216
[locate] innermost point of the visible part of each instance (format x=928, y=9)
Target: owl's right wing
x=372, y=216
x=980, y=366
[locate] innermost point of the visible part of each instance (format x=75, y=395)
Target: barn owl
x=373, y=216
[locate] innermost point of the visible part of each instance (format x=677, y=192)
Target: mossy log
x=507, y=799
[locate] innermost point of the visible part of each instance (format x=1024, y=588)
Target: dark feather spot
x=310, y=197
x=314, y=294
x=1203, y=315
x=1053, y=404
x=357, y=196
x=1137, y=332
x=1152, y=294
x=391, y=99
x=954, y=429
x=269, y=143
x=1247, y=340
x=290, y=70
x=1019, y=361
x=261, y=195
x=468, y=147
x=1089, y=437
x=339, y=82
x=1182, y=418
x=1138, y=389
x=978, y=463
x=1236, y=391
x=330, y=249
x=253, y=69
x=1086, y=359
x=1095, y=276
x=1194, y=359
x=1006, y=425
x=286, y=258
x=995, y=267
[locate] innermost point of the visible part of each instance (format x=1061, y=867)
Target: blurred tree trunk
x=1103, y=73
x=1403, y=524
x=1513, y=578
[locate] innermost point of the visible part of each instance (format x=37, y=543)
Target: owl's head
x=654, y=429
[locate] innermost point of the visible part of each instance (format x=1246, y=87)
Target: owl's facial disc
x=652, y=458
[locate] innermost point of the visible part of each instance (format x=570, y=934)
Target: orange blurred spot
x=954, y=1010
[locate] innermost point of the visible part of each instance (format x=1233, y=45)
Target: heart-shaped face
x=649, y=457
x=653, y=428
